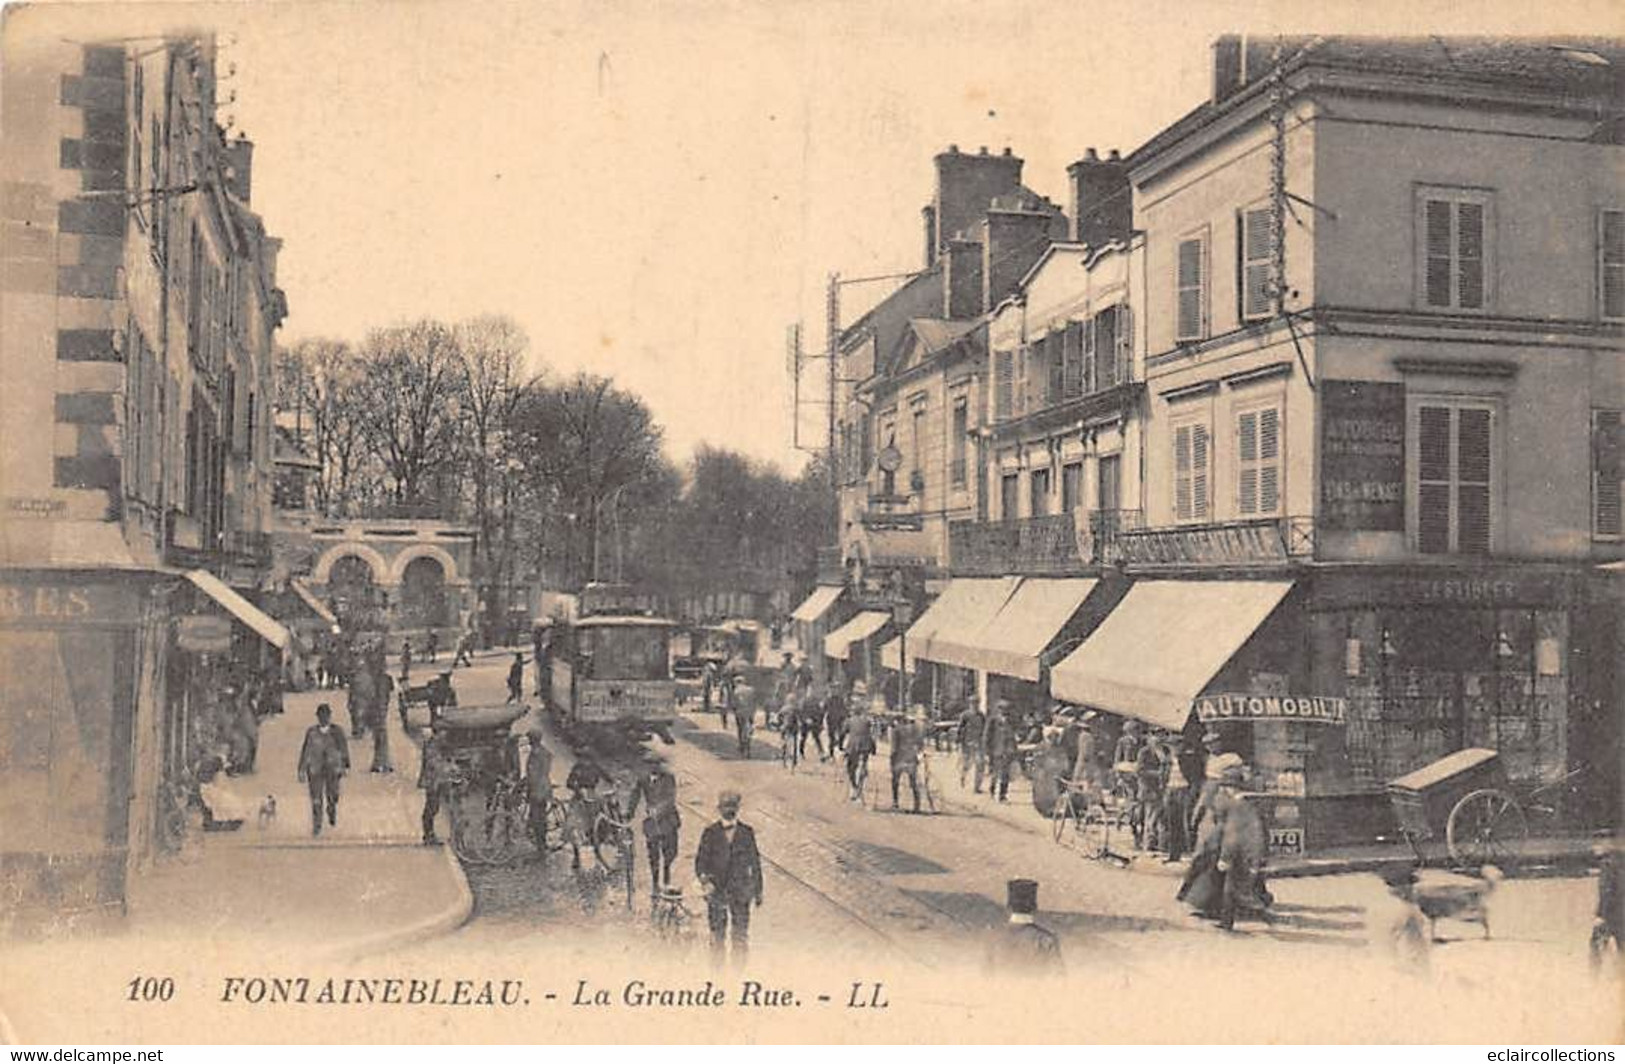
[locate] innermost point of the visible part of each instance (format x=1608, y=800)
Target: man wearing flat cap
x=1022, y=946
x=729, y=869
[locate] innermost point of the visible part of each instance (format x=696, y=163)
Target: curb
x=443, y=922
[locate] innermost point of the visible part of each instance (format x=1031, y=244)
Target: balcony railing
x=1255, y=541
x=1053, y=545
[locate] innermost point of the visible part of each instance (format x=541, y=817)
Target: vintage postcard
x=746, y=522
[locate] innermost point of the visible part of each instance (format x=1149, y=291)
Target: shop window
x=1453, y=247
x=1191, y=472
x=1453, y=487
x=1258, y=461
x=1607, y=475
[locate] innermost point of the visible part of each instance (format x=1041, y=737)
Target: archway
x=423, y=602
x=351, y=587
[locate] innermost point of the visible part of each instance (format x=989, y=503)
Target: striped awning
x=817, y=604
x=838, y=644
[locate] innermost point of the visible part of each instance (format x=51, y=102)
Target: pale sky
x=656, y=190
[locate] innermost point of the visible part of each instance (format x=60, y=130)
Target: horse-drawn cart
x=485, y=794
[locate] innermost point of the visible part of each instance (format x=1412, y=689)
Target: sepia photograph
x=743, y=522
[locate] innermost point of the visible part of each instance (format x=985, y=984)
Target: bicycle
x=671, y=918
x=489, y=820
x=612, y=844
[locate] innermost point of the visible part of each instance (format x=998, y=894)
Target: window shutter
x=1437, y=232
x=1003, y=381
x=1257, y=251
x=1611, y=250
x=1054, y=358
x=1189, y=283
x=1182, y=472
x=1433, y=480
x=1473, y=481
x=1247, y=450
x=1199, y=459
x=1608, y=467
x=1090, y=376
x=1269, y=457
x=1470, y=255
x=1072, y=360
x=1125, y=343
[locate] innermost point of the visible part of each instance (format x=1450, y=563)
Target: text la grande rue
x=751, y=994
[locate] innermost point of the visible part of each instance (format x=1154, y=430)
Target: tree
x=492, y=349
x=582, y=442
x=412, y=393
x=318, y=389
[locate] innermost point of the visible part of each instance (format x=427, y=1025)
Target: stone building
x=138, y=300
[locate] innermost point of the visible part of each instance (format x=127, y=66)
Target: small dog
x=1453, y=896
x=267, y=812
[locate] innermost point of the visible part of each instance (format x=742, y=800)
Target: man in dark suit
x=729, y=869
x=1022, y=946
x=323, y=760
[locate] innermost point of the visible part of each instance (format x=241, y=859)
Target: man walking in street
x=661, y=820
x=729, y=869
x=378, y=721
x=538, y=789
x=433, y=779
x=835, y=718
x=860, y=743
x=972, y=761
x=432, y=647
x=907, y=740
x=1023, y=947
x=744, y=711
x=999, y=740
x=363, y=690
x=323, y=760
x=406, y=661
x=516, y=679
x=465, y=651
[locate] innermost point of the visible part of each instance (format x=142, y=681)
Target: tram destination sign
x=1309, y=709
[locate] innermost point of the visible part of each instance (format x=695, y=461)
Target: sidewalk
x=364, y=886
x=1566, y=854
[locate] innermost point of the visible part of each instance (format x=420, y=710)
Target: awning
x=1010, y=644
x=1163, y=644
x=891, y=655
x=954, y=620
x=242, y=609
x=839, y=642
x=308, y=597
x=817, y=604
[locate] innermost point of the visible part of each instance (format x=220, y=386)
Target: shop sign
x=203, y=633
x=34, y=506
x=1286, y=840
x=1362, y=456
x=57, y=602
x=1492, y=589
x=1310, y=709
x=1252, y=541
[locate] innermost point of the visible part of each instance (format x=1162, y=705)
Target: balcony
x=1052, y=545
x=1252, y=542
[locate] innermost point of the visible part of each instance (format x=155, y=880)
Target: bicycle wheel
x=1094, y=833
x=555, y=827
x=1062, y=816
x=467, y=813
x=1485, y=827
x=612, y=853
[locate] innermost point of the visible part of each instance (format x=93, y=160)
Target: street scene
x=1132, y=614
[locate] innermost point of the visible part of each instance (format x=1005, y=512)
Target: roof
x=889, y=317
x=1573, y=68
x=937, y=335
x=623, y=621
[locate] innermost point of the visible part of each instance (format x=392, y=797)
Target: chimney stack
x=928, y=215
x=1227, y=72
x=1102, y=207
x=966, y=185
x=961, y=278
x=1012, y=240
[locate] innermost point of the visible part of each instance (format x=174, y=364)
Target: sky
x=656, y=190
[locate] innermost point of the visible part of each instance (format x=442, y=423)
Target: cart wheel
x=1485, y=827
x=1095, y=833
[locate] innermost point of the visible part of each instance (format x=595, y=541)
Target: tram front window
x=625, y=653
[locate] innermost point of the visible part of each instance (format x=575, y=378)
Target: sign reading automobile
x=1311, y=709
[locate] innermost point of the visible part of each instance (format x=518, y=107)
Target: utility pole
x=832, y=330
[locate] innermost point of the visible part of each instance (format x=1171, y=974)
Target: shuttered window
x=1607, y=474
x=1038, y=483
x=1004, y=363
x=1258, y=461
x=1255, y=248
x=1106, y=348
x=1191, y=454
x=1190, y=284
x=1091, y=374
x=1453, y=240
x=1071, y=486
x=1125, y=343
x=1455, y=446
x=960, y=441
x=1611, y=264
x=1054, y=366
x=1072, y=360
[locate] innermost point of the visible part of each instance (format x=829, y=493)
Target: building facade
x=137, y=308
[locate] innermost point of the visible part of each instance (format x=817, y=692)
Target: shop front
x=853, y=647
x=818, y=615
x=932, y=648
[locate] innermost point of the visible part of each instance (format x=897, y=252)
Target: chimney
x=1012, y=240
x=240, y=167
x=1102, y=207
x=1227, y=72
x=961, y=278
x=928, y=214
x=967, y=184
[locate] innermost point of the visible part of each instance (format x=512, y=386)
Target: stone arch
x=448, y=564
x=375, y=561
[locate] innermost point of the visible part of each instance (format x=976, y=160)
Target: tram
x=609, y=666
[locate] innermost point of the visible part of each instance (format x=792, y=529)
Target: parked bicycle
x=671, y=919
